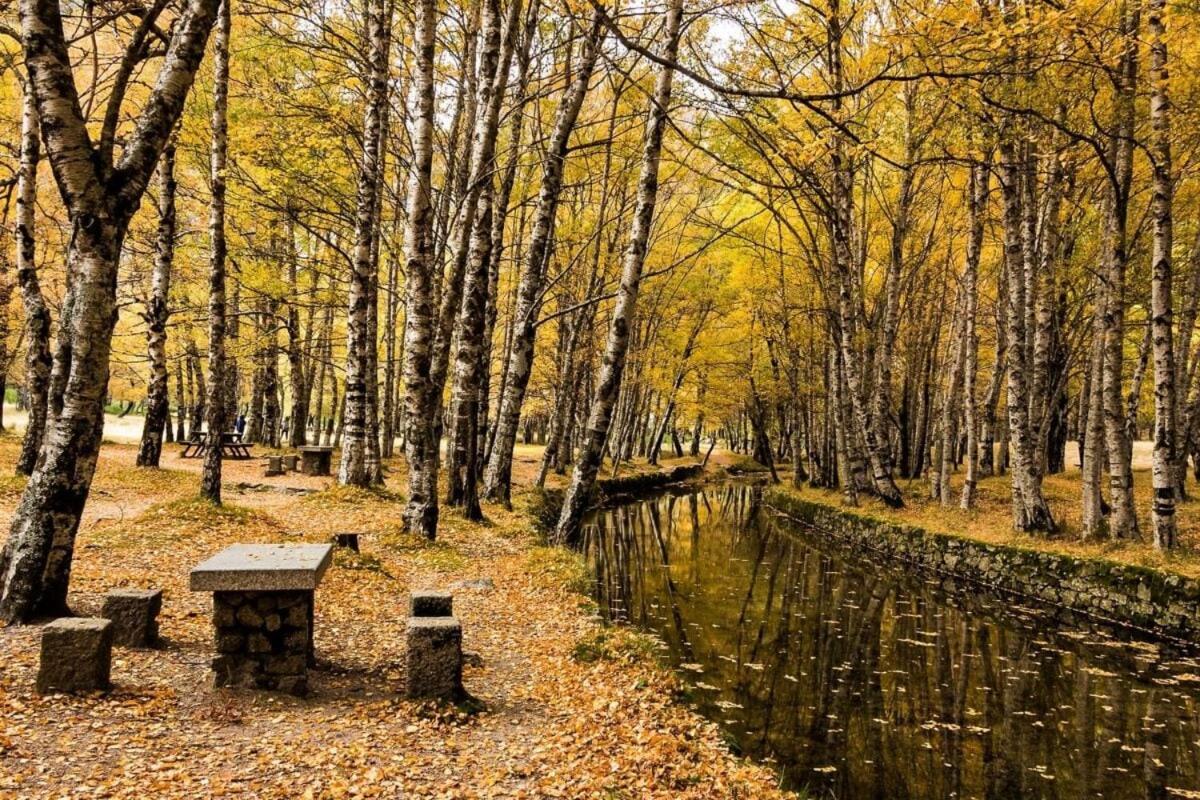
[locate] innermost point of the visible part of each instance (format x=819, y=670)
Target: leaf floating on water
x=825, y=770
x=708, y=687
x=726, y=705
x=1100, y=673
x=1187, y=794
x=755, y=667
x=692, y=667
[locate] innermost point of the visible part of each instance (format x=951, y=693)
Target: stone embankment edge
x=1162, y=603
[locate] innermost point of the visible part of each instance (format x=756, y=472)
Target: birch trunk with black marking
x=101, y=195
x=210, y=480
x=977, y=211
x=37, y=314
x=497, y=484
x=355, y=467
x=608, y=383
x=1122, y=522
x=1030, y=510
x=1164, y=477
x=463, y=447
x=295, y=353
x=420, y=444
x=1092, y=450
x=157, y=400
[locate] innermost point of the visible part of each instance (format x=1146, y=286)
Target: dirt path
x=553, y=726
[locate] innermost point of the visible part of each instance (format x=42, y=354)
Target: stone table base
x=264, y=640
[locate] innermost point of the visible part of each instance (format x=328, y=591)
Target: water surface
x=864, y=680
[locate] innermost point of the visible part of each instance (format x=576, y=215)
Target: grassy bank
x=990, y=521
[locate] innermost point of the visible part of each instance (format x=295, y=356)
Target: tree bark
x=37, y=314
x=355, y=469
x=420, y=445
x=980, y=173
x=1164, y=475
x=210, y=480
x=157, y=398
x=1030, y=510
x=496, y=58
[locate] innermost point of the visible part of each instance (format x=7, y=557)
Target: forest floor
x=570, y=709
x=991, y=519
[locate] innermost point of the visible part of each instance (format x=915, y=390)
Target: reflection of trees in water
x=864, y=682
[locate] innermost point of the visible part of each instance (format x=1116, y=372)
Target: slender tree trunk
x=158, y=403
x=420, y=445
x=1030, y=510
x=210, y=481
x=616, y=348
x=354, y=469
x=37, y=315
x=496, y=58
x=1165, y=416
x=1092, y=453
x=497, y=484
x=1123, y=520
x=295, y=353
x=868, y=426
x=978, y=209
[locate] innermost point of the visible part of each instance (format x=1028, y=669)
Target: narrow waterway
x=862, y=680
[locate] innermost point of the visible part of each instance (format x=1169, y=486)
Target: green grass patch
x=558, y=566
x=615, y=644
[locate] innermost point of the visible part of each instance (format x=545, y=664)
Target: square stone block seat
x=430, y=603
x=263, y=612
x=434, y=657
x=134, y=615
x=315, y=459
x=76, y=655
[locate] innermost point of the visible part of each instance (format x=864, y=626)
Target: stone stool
x=134, y=615
x=347, y=540
x=434, y=657
x=76, y=655
x=289, y=463
x=430, y=603
x=274, y=466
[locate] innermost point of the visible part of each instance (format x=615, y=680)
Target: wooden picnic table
x=232, y=446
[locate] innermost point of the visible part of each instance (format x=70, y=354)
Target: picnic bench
x=263, y=612
x=232, y=446
x=315, y=459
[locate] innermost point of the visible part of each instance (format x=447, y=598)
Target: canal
x=864, y=680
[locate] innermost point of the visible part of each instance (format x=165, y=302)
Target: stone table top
x=263, y=568
x=315, y=448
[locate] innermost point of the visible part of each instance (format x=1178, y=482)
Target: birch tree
x=353, y=469
x=157, y=397
x=608, y=381
x=421, y=511
x=101, y=191
x=497, y=484
x=215, y=422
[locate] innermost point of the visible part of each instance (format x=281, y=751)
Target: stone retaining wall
x=546, y=505
x=1138, y=597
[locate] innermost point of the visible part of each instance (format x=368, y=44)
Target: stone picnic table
x=315, y=459
x=263, y=612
